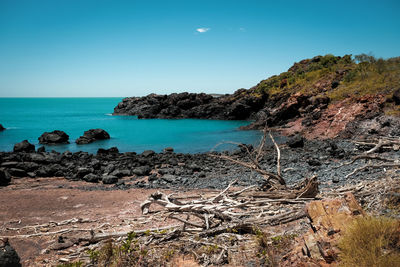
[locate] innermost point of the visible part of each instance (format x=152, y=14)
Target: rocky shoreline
x=299, y=159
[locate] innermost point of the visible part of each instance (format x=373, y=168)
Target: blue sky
x=95, y=48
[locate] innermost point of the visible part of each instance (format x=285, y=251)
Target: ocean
x=28, y=118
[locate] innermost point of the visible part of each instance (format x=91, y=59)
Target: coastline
x=177, y=170
x=338, y=163
x=61, y=199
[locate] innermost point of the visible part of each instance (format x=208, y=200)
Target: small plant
x=93, y=255
x=126, y=245
x=371, y=241
x=168, y=255
x=72, y=264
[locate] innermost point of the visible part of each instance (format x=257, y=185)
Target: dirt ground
x=35, y=212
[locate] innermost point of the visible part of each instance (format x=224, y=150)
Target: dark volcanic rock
x=54, y=137
x=17, y=172
x=109, y=179
x=2, y=128
x=396, y=96
x=5, y=177
x=168, y=150
x=91, y=178
x=24, y=146
x=169, y=178
x=92, y=135
x=296, y=141
x=111, y=151
x=83, y=171
x=121, y=173
x=8, y=255
x=148, y=153
x=313, y=162
x=240, y=105
x=141, y=171
x=41, y=149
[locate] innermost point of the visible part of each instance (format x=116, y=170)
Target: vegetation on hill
x=335, y=77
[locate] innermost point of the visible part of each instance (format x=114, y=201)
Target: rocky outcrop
x=5, y=177
x=54, y=137
x=283, y=109
x=8, y=255
x=24, y=146
x=319, y=97
x=238, y=106
x=329, y=219
x=92, y=135
x=2, y=128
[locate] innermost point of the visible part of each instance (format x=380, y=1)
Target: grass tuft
x=371, y=241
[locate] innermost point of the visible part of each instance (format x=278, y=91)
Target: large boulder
x=104, y=152
x=329, y=220
x=8, y=255
x=295, y=141
x=5, y=177
x=396, y=96
x=24, y=146
x=142, y=170
x=54, y=137
x=148, y=153
x=91, y=177
x=109, y=179
x=2, y=128
x=92, y=135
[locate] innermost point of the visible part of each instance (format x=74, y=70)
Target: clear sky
x=98, y=48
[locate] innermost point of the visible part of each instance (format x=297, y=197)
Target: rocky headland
x=321, y=98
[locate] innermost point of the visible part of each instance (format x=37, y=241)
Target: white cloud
x=203, y=30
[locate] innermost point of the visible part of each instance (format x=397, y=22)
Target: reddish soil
x=30, y=202
x=336, y=117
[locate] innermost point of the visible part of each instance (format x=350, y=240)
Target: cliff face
x=318, y=97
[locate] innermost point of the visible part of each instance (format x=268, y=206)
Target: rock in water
x=8, y=255
x=5, y=177
x=24, y=146
x=2, y=128
x=92, y=135
x=54, y=137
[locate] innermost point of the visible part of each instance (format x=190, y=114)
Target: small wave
x=108, y=114
x=13, y=128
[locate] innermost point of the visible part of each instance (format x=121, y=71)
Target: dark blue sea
x=28, y=118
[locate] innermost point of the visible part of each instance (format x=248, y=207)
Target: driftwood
x=240, y=210
x=372, y=157
x=274, y=179
x=244, y=209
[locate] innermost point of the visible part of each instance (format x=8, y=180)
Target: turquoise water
x=28, y=118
